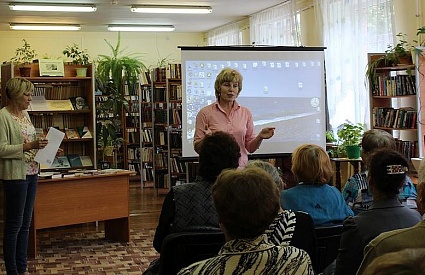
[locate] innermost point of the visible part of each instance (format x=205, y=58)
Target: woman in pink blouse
x=227, y=115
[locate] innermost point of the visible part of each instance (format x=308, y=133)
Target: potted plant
x=78, y=57
x=24, y=56
x=350, y=136
x=112, y=74
x=395, y=55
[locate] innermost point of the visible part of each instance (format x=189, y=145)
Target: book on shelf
x=84, y=132
x=86, y=161
x=38, y=103
x=74, y=160
x=79, y=103
x=71, y=133
x=59, y=105
x=61, y=162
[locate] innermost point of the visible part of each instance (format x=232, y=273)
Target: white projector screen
x=284, y=87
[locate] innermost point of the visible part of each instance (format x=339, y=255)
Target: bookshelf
x=160, y=128
x=131, y=126
x=52, y=106
x=146, y=136
x=393, y=103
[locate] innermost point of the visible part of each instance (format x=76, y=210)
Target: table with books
x=81, y=198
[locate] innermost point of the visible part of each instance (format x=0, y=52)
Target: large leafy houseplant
x=113, y=72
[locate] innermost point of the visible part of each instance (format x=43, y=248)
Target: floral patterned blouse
x=29, y=133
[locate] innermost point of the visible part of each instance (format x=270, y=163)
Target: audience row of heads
x=311, y=163
x=242, y=190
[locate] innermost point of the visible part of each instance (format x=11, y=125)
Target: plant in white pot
x=24, y=56
x=350, y=135
x=78, y=57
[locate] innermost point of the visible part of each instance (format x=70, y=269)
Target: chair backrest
x=327, y=238
x=184, y=248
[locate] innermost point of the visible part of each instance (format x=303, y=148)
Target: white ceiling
x=118, y=12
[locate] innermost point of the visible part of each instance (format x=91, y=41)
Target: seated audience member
x=289, y=227
x=405, y=262
x=190, y=206
x=387, y=173
x=356, y=191
x=412, y=237
x=312, y=169
x=247, y=201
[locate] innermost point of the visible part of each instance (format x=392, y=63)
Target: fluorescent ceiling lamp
x=141, y=28
x=52, y=7
x=171, y=9
x=44, y=27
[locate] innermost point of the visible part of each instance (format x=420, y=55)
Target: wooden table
x=356, y=163
x=75, y=200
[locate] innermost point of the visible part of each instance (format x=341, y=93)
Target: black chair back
x=327, y=238
x=182, y=249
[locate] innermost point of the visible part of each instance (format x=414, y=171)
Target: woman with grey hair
x=295, y=228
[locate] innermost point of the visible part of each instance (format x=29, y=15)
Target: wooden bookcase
x=62, y=88
x=160, y=128
x=393, y=105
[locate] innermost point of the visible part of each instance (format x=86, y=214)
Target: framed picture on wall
x=51, y=67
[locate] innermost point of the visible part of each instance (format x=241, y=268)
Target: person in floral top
x=18, y=171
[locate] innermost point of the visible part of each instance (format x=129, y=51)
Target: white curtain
x=351, y=30
x=225, y=36
x=277, y=26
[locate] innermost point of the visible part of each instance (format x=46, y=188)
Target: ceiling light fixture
x=171, y=9
x=52, y=7
x=141, y=28
x=44, y=27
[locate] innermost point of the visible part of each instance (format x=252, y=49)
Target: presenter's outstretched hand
x=267, y=133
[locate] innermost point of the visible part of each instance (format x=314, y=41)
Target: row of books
x=176, y=92
x=173, y=71
x=147, y=154
x=133, y=153
x=161, y=160
x=70, y=160
x=146, y=115
x=159, y=94
x=398, y=85
x=134, y=166
x=132, y=90
x=57, y=91
x=146, y=135
x=133, y=135
x=147, y=172
x=408, y=148
x=146, y=94
x=177, y=166
x=132, y=119
x=403, y=118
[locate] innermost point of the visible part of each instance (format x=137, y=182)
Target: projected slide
x=286, y=93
